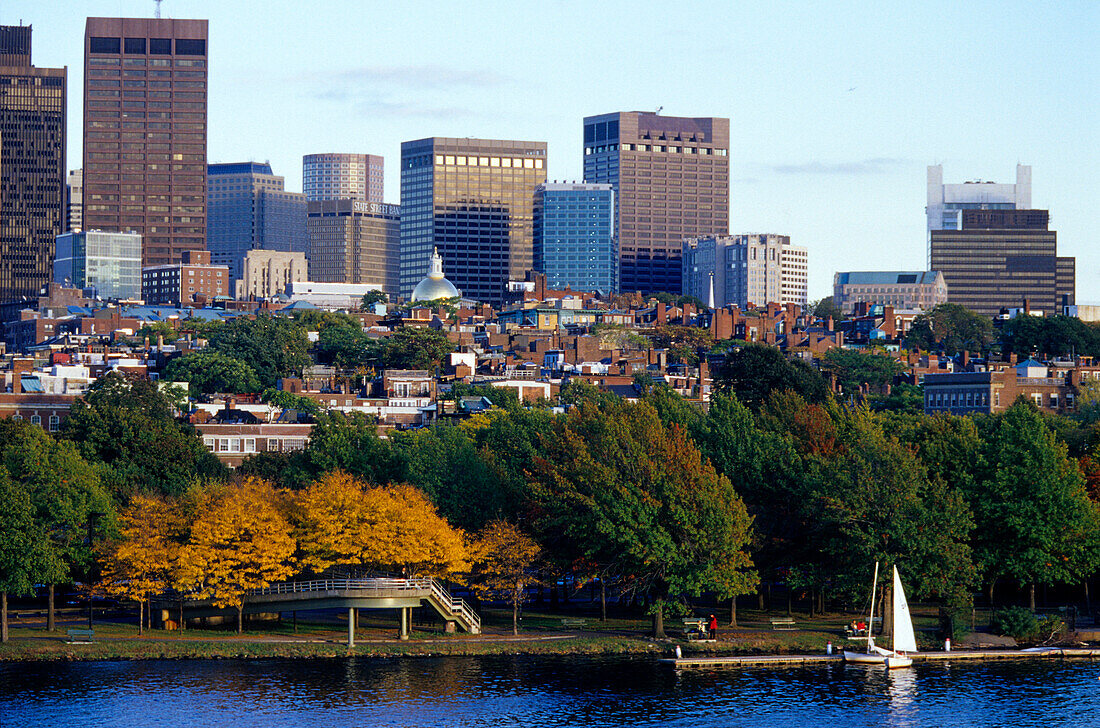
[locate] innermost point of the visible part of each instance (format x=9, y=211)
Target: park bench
x=573, y=622
x=695, y=628
x=784, y=623
x=80, y=636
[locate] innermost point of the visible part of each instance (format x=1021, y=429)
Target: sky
x=835, y=109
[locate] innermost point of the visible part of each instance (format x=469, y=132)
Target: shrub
x=1016, y=622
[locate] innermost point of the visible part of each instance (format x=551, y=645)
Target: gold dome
x=435, y=285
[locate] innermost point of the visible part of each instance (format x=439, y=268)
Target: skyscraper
x=351, y=241
x=574, y=227
x=145, y=132
x=250, y=210
x=32, y=169
x=472, y=200
x=745, y=270
x=1000, y=258
x=342, y=177
x=671, y=180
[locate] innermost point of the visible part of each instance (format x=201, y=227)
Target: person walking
x=712, y=628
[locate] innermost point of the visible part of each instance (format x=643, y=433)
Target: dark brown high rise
x=1002, y=258
x=32, y=169
x=145, y=84
x=671, y=180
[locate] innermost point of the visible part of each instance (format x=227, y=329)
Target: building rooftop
x=884, y=278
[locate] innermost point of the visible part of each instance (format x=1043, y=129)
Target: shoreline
x=54, y=648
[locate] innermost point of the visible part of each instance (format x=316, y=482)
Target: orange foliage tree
x=240, y=540
x=502, y=565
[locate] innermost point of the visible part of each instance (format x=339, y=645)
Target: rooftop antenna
x=158, y=2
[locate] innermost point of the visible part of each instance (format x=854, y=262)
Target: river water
x=543, y=691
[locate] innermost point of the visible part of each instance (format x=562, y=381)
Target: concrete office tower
x=671, y=180
x=109, y=263
x=351, y=241
x=947, y=202
x=267, y=273
x=1002, y=258
x=74, y=201
x=342, y=177
x=250, y=210
x=472, y=200
x=574, y=228
x=32, y=170
x=145, y=132
x=745, y=270
x=914, y=290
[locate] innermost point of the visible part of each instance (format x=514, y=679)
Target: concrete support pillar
x=351, y=627
x=404, y=633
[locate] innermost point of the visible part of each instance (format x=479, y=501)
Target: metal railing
x=379, y=587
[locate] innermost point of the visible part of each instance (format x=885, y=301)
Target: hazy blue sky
x=835, y=108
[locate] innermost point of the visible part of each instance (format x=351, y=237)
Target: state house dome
x=435, y=285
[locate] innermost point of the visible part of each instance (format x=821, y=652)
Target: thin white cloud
x=877, y=165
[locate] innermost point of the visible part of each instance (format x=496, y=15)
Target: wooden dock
x=783, y=660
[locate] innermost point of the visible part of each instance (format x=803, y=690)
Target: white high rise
x=744, y=270
x=946, y=202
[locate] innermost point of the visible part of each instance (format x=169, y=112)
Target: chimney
x=829, y=323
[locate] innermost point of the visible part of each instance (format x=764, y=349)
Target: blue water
x=542, y=691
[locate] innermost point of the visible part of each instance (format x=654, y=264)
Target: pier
x=777, y=660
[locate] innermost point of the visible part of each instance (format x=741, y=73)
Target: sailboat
x=905, y=639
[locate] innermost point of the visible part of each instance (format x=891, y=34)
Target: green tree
x=345, y=347
x=412, y=348
x=853, y=369
x=614, y=485
x=350, y=442
x=683, y=342
x=127, y=426
x=66, y=496
x=288, y=400
x=275, y=346
x=952, y=329
x=25, y=558
x=372, y=297
x=755, y=370
x=1032, y=510
x=825, y=307
x=503, y=397
x=208, y=372
x=445, y=463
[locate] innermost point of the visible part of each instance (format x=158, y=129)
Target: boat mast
x=871, y=619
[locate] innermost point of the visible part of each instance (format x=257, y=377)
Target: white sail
x=904, y=638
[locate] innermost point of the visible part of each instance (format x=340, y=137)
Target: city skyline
x=836, y=111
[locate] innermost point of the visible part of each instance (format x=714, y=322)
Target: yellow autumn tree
x=404, y=532
x=330, y=522
x=142, y=562
x=503, y=560
x=240, y=540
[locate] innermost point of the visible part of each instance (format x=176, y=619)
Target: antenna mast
x=158, y=8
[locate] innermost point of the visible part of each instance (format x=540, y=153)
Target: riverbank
x=121, y=642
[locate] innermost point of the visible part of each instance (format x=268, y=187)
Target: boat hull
x=890, y=661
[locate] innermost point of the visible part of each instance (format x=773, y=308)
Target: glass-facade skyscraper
x=32, y=169
x=108, y=262
x=671, y=180
x=250, y=210
x=575, y=236
x=472, y=199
